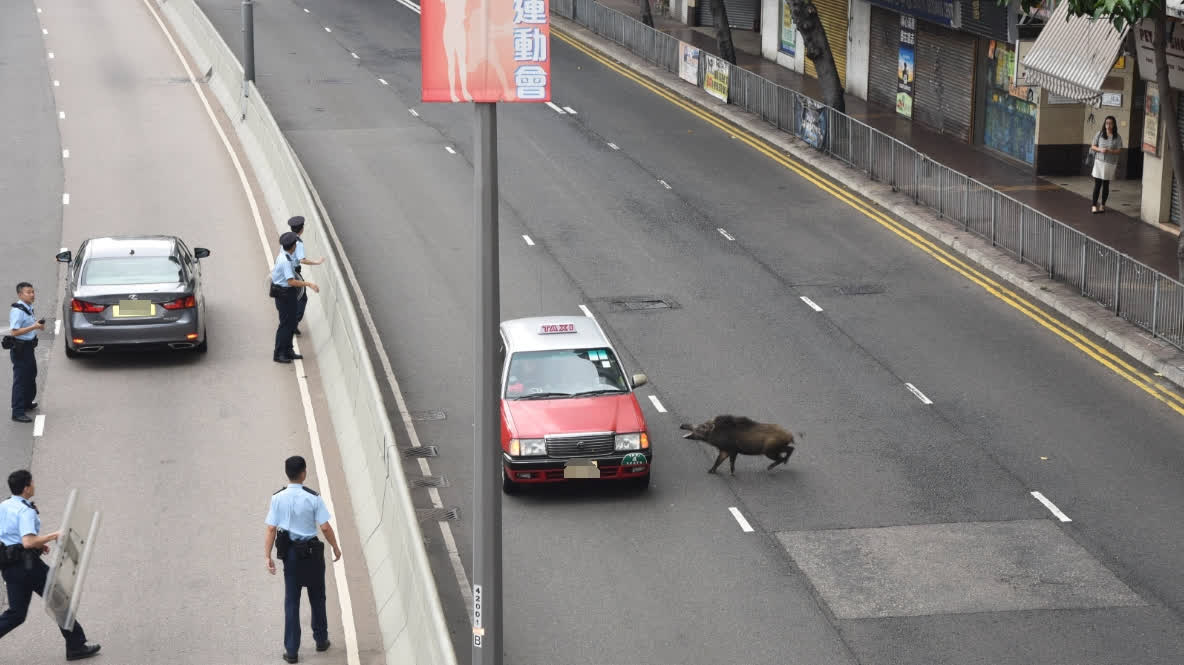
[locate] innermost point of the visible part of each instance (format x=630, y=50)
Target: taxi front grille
x=587, y=445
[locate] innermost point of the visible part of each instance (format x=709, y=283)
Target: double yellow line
x=1086, y=345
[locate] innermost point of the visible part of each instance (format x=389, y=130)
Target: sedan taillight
x=86, y=307
x=186, y=302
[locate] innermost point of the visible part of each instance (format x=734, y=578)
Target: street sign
x=71, y=558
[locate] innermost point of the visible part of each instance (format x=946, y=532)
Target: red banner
x=486, y=50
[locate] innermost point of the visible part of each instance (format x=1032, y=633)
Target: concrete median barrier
x=407, y=602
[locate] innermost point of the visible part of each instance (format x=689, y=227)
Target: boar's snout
x=687, y=426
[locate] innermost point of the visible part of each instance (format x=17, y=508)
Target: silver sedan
x=133, y=292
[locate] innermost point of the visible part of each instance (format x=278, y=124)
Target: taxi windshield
x=565, y=373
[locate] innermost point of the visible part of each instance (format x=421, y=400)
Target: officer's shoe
x=32, y=406
x=297, y=332
x=295, y=356
x=281, y=359
x=291, y=659
x=86, y=651
x=323, y=646
x=22, y=418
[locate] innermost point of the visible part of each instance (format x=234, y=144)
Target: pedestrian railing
x=1132, y=290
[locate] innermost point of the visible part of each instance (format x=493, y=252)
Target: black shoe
x=86, y=651
x=295, y=356
x=281, y=359
x=32, y=406
x=22, y=418
x=291, y=659
x=297, y=332
x=323, y=646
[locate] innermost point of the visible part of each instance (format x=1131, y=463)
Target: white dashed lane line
x=413, y=112
x=665, y=184
x=383, y=81
x=657, y=404
x=1052, y=508
x=555, y=108
x=65, y=199
x=61, y=115
x=450, y=150
x=328, y=29
x=528, y=240
x=65, y=153
x=355, y=55
x=920, y=395
x=614, y=146
x=39, y=425
x=51, y=56
x=744, y=525
x=811, y=303
x=569, y=110
x=57, y=327
x=306, y=11
x=724, y=233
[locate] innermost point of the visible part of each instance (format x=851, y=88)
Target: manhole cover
x=640, y=303
x=860, y=289
x=427, y=415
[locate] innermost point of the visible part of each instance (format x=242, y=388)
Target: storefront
x=742, y=14
x=1009, y=111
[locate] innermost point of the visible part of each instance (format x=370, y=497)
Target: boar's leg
x=779, y=457
x=723, y=454
x=732, y=459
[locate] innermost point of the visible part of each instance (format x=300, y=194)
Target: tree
x=805, y=18
x=1129, y=12
x=723, y=31
x=647, y=14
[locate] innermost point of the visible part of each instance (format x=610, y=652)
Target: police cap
x=296, y=223
x=287, y=239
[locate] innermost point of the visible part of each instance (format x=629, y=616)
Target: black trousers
x=24, y=377
x=1102, y=186
x=300, y=574
x=22, y=583
x=301, y=305
x=288, y=306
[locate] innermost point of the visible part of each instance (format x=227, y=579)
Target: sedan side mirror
x=639, y=380
x=200, y=252
x=64, y=257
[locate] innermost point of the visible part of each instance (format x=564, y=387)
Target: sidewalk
x=1149, y=244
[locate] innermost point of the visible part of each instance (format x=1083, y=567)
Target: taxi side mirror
x=200, y=252
x=639, y=380
x=63, y=257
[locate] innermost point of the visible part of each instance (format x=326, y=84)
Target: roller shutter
x=1177, y=207
x=742, y=14
x=834, y=21
x=884, y=51
x=943, y=93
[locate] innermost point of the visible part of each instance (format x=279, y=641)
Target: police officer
x=21, y=565
x=286, y=289
x=24, y=362
x=292, y=521
x=297, y=225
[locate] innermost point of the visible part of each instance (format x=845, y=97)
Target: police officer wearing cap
x=297, y=225
x=23, y=570
x=286, y=289
x=292, y=521
x=23, y=337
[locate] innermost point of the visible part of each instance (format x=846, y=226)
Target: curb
x=1164, y=359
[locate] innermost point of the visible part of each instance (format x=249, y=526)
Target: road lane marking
x=1052, y=508
x=450, y=150
x=569, y=110
x=809, y=302
x=57, y=327
x=61, y=115
x=665, y=184
x=555, y=108
x=657, y=404
x=383, y=81
x=349, y=628
x=65, y=153
x=39, y=425
x=920, y=395
x=328, y=29
x=410, y=5
x=44, y=31
x=587, y=312
x=65, y=199
x=306, y=11
x=614, y=146
x=744, y=525
x=914, y=237
x=413, y=112
x=724, y=233
x=355, y=55
x=57, y=83
x=51, y=55
x=528, y=240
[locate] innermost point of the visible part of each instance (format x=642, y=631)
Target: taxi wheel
x=642, y=482
x=508, y=486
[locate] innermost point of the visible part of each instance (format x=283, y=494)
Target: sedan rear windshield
x=568, y=373
x=115, y=271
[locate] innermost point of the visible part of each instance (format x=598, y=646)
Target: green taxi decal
x=633, y=458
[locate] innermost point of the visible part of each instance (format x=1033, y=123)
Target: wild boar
x=737, y=435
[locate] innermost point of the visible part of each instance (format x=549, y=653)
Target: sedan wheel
x=70, y=353
x=205, y=343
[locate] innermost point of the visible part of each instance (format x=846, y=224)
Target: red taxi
x=568, y=409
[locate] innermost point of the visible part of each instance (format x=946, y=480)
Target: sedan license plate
x=132, y=308
x=581, y=469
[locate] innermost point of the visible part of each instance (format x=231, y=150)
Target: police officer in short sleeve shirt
x=297, y=225
x=287, y=302
x=24, y=326
x=301, y=512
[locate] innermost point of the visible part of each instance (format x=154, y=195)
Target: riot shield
x=70, y=560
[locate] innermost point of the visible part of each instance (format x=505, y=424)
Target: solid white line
x=450, y=150
x=51, y=55
x=528, y=240
x=38, y=10
x=410, y=5
x=569, y=110
x=57, y=327
x=413, y=112
x=57, y=83
x=39, y=425
x=809, y=302
x=328, y=29
x=657, y=404
x=587, y=312
x=383, y=81
x=349, y=628
x=61, y=115
x=44, y=31
x=306, y=11
x=66, y=199
x=614, y=146
x=665, y=184
x=355, y=55
x=744, y=525
x=1039, y=497
x=725, y=234
x=920, y=395
x=555, y=108
x=65, y=153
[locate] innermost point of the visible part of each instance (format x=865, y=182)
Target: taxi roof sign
x=556, y=328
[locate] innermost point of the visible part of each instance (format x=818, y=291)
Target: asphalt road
x=180, y=452
x=904, y=530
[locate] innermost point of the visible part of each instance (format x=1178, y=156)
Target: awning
x=1072, y=58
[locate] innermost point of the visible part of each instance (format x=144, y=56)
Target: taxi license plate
x=581, y=469
x=131, y=308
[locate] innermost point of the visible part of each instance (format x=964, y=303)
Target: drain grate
x=437, y=514
x=427, y=415
x=640, y=303
x=866, y=289
x=421, y=451
x=428, y=481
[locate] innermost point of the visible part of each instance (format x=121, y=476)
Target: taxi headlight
x=533, y=447
x=628, y=441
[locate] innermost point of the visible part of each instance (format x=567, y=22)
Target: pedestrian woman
x=1106, y=147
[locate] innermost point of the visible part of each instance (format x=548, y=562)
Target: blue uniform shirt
x=283, y=271
x=19, y=318
x=298, y=511
x=17, y=520
x=299, y=253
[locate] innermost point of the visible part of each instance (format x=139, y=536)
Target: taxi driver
x=527, y=376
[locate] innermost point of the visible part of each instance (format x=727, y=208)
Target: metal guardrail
x=1132, y=290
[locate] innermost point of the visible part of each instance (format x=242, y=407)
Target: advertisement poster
x=1151, y=121
x=811, y=124
x=789, y=32
x=906, y=66
x=715, y=80
x=475, y=51
x=688, y=63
